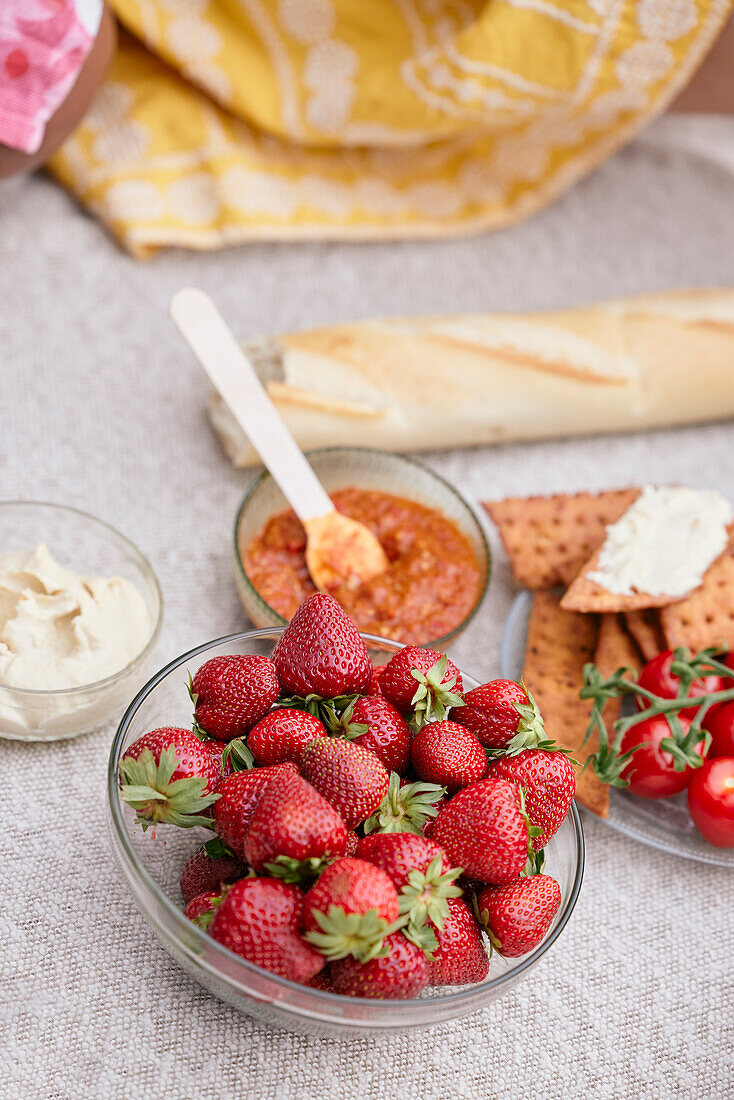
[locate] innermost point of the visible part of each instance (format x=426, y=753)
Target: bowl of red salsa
x=439, y=559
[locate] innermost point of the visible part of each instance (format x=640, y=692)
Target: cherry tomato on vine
x=720, y=723
x=657, y=678
x=651, y=771
x=729, y=662
x=711, y=801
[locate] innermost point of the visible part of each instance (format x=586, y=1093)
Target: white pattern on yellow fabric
x=435, y=117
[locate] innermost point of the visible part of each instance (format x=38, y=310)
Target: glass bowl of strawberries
x=339, y=834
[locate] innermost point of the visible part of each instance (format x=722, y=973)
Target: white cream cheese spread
x=664, y=542
x=62, y=630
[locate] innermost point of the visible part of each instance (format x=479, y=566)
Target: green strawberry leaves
x=405, y=809
x=147, y=787
x=239, y=755
x=433, y=698
x=301, y=872
x=359, y=934
x=425, y=896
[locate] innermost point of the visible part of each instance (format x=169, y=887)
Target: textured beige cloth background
x=102, y=407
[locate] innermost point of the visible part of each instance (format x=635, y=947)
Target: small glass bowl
x=342, y=467
x=151, y=862
x=88, y=546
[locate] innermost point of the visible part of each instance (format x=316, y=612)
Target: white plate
x=662, y=824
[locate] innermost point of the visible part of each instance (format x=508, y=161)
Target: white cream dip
x=62, y=630
x=664, y=542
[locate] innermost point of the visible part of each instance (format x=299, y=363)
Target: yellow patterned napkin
x=230, y=120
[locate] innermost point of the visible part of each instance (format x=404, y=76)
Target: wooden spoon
x=339, y=550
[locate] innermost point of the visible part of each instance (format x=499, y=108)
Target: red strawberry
x=352, y=779
x=292, y=820
x=216, y=748
x=322, y=981
x=446, y=753
x=461, y=957
x=518, y=916
x=321, y=651
x=261, y=919
x=374, y=688
x=239, y=794
x=201, y=909
x=406, y=808
x=423, y=681
x=351, y=886
x=400, y=974
x=419, y=870
x=501, y=714
x=230, y=693
x=373, y=723
x=281, y=735
x=204, y=871
x=484, y=830
x=549, y=781
x=168, y=775
x=352, y=842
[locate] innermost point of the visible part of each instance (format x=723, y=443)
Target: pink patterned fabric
x=43, y=45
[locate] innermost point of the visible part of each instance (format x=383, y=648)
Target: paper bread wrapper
x=423, y=383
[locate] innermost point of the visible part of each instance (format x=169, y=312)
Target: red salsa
x=432, y=583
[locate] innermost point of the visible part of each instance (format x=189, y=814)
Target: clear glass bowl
x=151, y=862
x=88, y=546
x=660, y=823
x=339, y=468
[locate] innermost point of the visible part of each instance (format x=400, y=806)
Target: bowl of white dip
x=80, y=613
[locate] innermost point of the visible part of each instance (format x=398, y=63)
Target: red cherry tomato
x=720, y=723
x=657, y=678
x=711, y=801
x=729, y=662
x=650, y=770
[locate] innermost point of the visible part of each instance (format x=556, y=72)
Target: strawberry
x=373, y=723
x=322, y=981
x=502, y=715
x=239, y=794
x=374, y=688
x=484, y=830
x=217, y=749
x=261, y=920
x=352, y=842
x=518, y=916
x=398, y=975
x=230, y=693
x=348, y=886
x=549, y=781
x=419, y=870
x=406, y=808
x=167, y=775
x=351, y=778
x=201, y=908
x=321, y=652
x=461, y=957
x=423, y=681
x=208, y=868
x=292, y=819
x=281, y=735
x=447, y=754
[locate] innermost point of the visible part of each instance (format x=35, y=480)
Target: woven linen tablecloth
x=102, y=407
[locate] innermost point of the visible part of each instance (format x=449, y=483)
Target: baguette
x=434, y=382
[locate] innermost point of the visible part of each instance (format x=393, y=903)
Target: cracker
x=548, y=539
x=615, y=649
x=706, y=617
x=645, y=628
x=558, y=646
x=586, y=595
